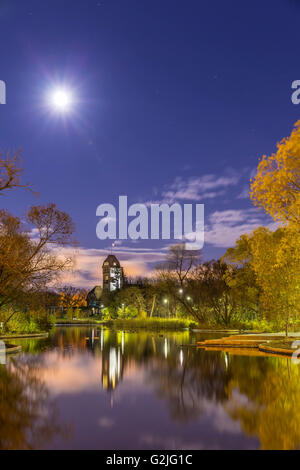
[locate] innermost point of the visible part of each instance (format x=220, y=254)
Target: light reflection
x=252, y=398
x=181, y=357
x=123, y=342
x=101, y=340
x=111, y=369
x=166, y=348
x=226, y=359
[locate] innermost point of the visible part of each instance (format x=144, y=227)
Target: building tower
x=112, y=274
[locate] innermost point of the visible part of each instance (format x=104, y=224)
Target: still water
x=93, y=388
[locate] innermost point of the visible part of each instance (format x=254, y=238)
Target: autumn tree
x=276, y=262
x=72, y=297
x=276, y=186
x=28, y=254
x=269, y=264
x=11, y=171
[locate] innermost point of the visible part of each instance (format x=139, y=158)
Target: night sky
x=173, y=101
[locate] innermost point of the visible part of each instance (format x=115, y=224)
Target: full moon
x=61, y=100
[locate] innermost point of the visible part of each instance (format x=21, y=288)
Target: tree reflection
x=27, y=419
x=261, y=393
x=272, y=411
x=188, y=384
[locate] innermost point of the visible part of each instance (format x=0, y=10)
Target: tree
x=28, y=261
x=151, y=292
x=212, y=296
x=175, y=275
x=131, y=297
x=241, y=278
x=276, y=262
x=276, y=186
x=266, y=269
x=181, y=261
x=72, y=297
x=10, y=171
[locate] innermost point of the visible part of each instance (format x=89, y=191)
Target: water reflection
x=28, y=418
x=101, y=388
x=269, y=406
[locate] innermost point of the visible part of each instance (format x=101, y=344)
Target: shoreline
x=15, y=348
x=12, y=348
x=25, y=335
x=273, y=343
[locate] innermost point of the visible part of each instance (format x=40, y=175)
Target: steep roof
x=112, y=261
x=96, y=293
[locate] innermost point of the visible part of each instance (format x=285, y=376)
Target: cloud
x=244, y=194
x=199, y=188
x=222, y=229
x=225, y=227
x=87, y=269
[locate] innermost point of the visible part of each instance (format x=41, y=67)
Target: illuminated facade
x=113, y=276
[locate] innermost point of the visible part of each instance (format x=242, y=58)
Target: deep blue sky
x=165, y=89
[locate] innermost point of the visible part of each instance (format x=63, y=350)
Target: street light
x=180, y=291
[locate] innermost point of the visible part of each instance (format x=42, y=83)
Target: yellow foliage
x=276, y=186
x=276, y=262
x=273, y=414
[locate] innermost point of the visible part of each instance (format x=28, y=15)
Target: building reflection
x=112, y=368
x=242, y=391
x=110, y=347
x=119, y=350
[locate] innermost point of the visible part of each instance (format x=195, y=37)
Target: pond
x=98, y=388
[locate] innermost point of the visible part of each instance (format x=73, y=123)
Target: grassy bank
x=133, y=323
x=152, y=324
x=81, y=321
x=157, y=323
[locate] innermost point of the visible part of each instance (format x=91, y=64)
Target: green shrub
x=33, y=321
